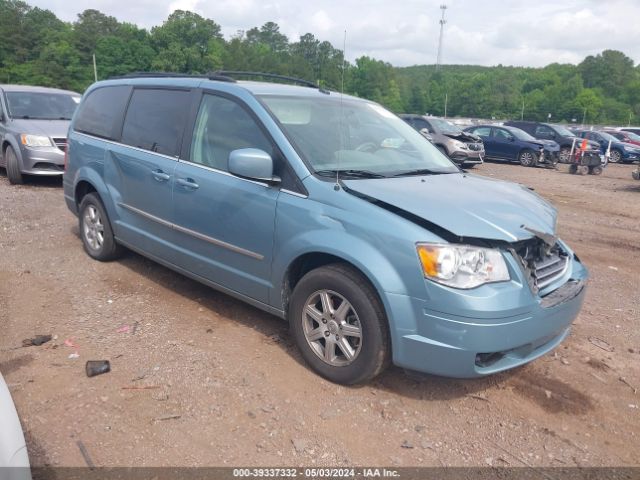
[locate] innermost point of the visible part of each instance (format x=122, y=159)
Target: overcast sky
x=405, y=32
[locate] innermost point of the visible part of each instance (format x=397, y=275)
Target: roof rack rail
x=300, y=81
x=209, y=76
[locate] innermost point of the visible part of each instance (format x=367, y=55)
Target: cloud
x=405, y=32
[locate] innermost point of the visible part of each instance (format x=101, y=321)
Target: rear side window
x=155, y=120
x=101, y=112
x=483, y=131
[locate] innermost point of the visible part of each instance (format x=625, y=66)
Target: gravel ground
x=201, y=379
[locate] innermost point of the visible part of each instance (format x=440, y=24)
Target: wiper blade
x=422, y=171
x=350, y=173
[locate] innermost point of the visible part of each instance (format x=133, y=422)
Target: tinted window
x=483, y=131
x=222, y=126
x=155, y=120
x=420, y=124
x=101, y=112
x=503, y=134
x=544, y=131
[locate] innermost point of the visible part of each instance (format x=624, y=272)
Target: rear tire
x=595, y=170
x=339, y=325
x=13, y=167
x=95, y=230
x=583, y=169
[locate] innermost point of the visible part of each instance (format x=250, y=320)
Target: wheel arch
x=306, y=262
x=9, y=141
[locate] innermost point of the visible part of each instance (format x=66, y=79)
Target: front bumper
x=45, y=161
x=467, y=157
x=502, y=327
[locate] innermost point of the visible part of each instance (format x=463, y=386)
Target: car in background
x=14, y=461
x=514, y=145
x=558, y=133
x=620, y=151
x=33, y=130
x=465, y=149
x=624, y=136
x=635, y=130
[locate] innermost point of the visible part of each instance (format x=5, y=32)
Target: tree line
x=38, y=48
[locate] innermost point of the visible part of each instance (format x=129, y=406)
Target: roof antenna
x=336, y=187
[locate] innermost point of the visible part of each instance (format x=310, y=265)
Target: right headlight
x=462, y=266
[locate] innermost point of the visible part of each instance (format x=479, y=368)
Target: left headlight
x=462, y=266
x=35, y=140
x=460, y=145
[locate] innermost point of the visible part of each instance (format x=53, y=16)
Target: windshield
x=42, y=106
x=563, y=131
x=633, y=136
x=521, y=134
x=442, y=126
x=358, y=138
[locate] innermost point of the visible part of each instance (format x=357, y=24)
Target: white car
x=14, y=461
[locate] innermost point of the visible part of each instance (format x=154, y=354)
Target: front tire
x=13, y=167
x=527, y=158
x=95, y=230
x=339, y=325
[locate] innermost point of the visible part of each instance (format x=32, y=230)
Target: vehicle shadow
x=276, y=331
x=36, y=181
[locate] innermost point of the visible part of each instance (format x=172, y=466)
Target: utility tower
x=442, y=22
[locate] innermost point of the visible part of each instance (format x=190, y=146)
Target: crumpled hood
x=465, y=205
x=549, y=144
x=464, y=136
x=49, y=128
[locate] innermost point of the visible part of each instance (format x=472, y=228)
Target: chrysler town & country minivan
x=328, y=211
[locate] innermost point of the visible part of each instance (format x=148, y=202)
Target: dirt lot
x=231, y=389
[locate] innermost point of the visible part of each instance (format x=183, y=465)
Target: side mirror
x=252, y=163
x=512, y=139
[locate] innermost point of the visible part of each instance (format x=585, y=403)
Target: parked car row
x=464, y=148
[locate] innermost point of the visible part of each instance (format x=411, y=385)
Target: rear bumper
x=452, y=345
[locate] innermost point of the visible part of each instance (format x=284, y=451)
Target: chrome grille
x=543, y=264
x=61, y=143
x=549, y=268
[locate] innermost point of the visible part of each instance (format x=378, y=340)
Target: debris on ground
x=97, y=367
x=36, y=341
x=69, y=343
x=74, y=355
x=299, y=444
x=123, y=329
x=167, y=417
x=85, y=454
x=598, y=342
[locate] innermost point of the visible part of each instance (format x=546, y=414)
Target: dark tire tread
x=360, y=282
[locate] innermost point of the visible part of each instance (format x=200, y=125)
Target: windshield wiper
x=350, y=173
x=422, y=171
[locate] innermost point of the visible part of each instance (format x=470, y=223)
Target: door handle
x=188, y=183
x=160, y=176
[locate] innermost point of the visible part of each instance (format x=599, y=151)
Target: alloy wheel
x=93, y=228
x=332, y=328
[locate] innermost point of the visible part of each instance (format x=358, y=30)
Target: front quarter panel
x=377, y=242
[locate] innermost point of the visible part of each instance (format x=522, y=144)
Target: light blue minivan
x=328, y=211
